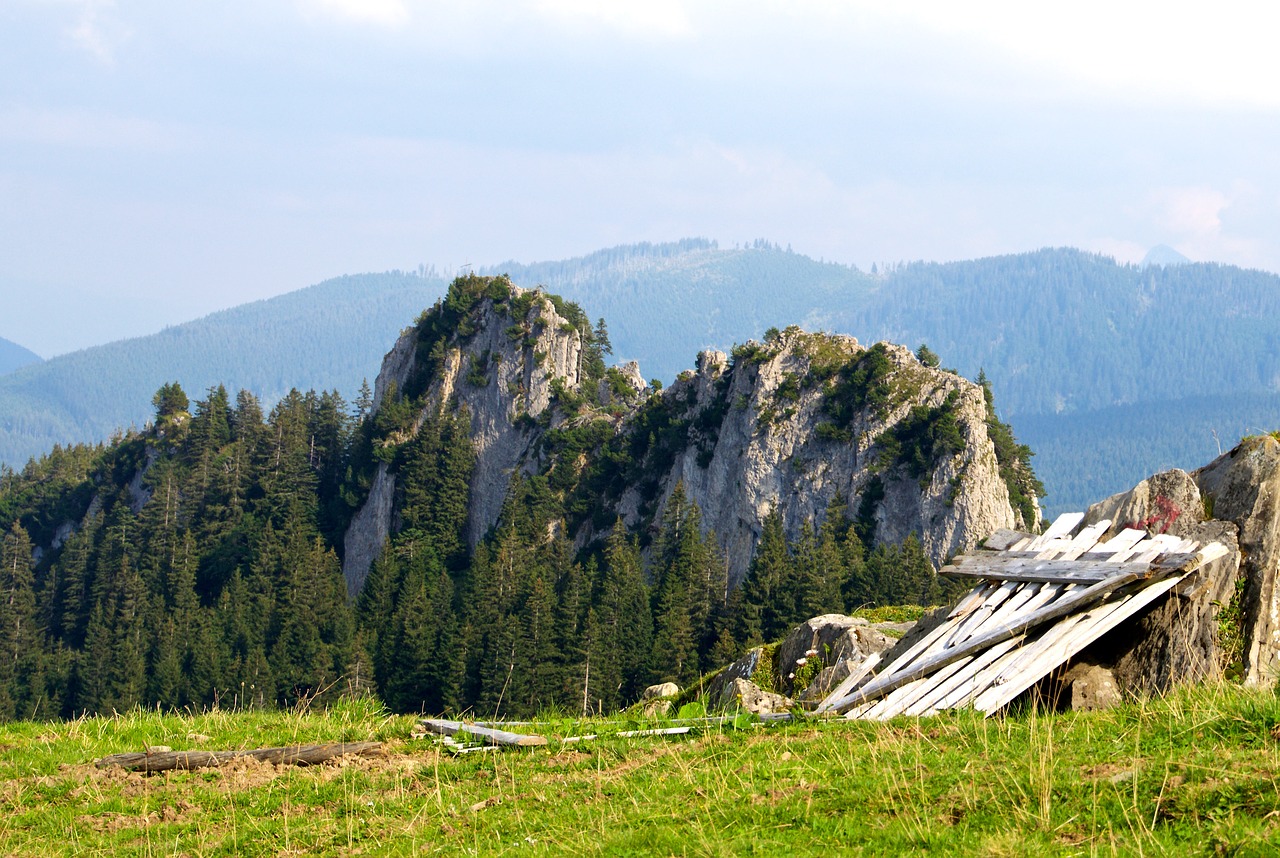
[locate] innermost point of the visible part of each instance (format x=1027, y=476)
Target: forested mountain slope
x=327, y=337
x=539, y=546
x=13, y=356
x=1165, y=357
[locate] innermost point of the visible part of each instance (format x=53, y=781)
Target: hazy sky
x=161, y=160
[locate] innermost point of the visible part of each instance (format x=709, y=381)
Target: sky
x=161, y=160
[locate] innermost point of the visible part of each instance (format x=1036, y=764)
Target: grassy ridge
x=1197, y=773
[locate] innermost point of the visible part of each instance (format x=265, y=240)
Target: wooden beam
x=486, y=734
x=297, y=755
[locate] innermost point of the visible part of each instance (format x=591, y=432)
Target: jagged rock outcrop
x=797, y=423
x=500, y=372
x=1243, y=487
x=839, y=642
x=1179, y=639
x=809, y=418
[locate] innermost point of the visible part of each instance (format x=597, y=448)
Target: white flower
x=802, y=661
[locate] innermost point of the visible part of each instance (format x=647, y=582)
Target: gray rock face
x=1243, y=486
x=517, y=377
x=762, y=448
x=750, y=698
x=368, y=531
x=839, y=642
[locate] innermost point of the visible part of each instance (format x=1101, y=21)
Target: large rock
x=1168, y=502
x=1243, y=486
x=750, y=698
x=755, y=444
x=721, y=692
x=839, y=642
x=1091, y=687
x=1177, y=641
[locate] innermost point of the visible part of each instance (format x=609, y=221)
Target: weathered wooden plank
x=1118, y=544
x=964, y=681
x=1062, y=526
x=661, y=731
x=1063, y=641
x=1068, y=603
x=1003, y=539
x=984, y=677
x=901, y=701
x=1026, y=576
x=1084, y=540
x=979, y=615
x=494, y=737
x=846, y=685
x=1050, y=571
x=297, y=755
x=971, y=600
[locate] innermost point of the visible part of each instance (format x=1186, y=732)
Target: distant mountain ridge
x=14, y=356
x=1133, y=369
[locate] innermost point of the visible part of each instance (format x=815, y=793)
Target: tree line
x=197, y=564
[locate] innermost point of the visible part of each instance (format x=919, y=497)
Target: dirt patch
x=627, y=766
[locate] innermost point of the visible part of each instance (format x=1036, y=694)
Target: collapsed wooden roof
x=1039, y=601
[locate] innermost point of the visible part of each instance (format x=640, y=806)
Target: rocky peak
x=799, y=422
x=496, y=352
x=803, y=420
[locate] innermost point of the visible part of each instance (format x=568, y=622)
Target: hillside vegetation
x=197, y=563
x=14, y=356
x=1059, y=333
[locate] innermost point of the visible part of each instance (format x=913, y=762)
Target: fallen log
x=297, y=755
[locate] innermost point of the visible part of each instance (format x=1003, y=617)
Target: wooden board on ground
x=489, y=735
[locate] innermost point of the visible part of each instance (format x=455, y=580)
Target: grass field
x=1195, y=774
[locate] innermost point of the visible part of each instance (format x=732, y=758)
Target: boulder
x=1168, y=502
x=838, y=641
x=750, y=698
x=1176, y=640
x=721, y=693
x=656, y=700
x=1091, y=687
x=664, y=689
x=1243, y=487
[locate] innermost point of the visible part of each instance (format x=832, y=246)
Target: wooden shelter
x=1038, y=601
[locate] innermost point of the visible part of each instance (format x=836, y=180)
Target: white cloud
x=647, y=18
x=1173, y=51
x=384, y=13
x=98, y=31
x=1190, y=212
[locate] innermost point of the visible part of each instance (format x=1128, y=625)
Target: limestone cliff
x=499, y=360
x=799, y=422
x=808, y=419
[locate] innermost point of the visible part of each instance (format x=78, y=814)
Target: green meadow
x=1197, y=773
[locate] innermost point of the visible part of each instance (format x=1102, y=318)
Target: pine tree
x=21, y=640
x=761, y=619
